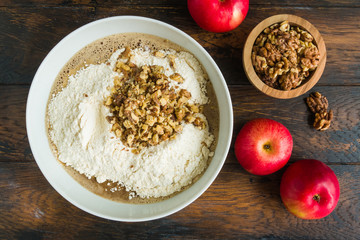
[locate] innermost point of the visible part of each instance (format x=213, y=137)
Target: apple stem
x=316, y=198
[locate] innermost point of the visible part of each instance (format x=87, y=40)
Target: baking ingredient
x=309, y=189
x=145, y=110
x=283, y=56
x=218, y=15
x=263, y=146
x=318, y=104
x=84, y=140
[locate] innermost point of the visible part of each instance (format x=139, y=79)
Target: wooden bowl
x=307, y=84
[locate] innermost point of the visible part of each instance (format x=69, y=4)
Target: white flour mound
x=84, y=140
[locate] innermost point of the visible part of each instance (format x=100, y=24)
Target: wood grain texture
x=339, y=144
x=14, y=145
x=236, y=206
x=29, y=33
x=61, y=3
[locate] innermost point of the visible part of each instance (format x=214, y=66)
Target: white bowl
x=56, y=174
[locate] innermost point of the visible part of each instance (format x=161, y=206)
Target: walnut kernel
x=145, y=109
x=283, y=56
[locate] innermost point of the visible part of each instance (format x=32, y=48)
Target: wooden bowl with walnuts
x=284, y=56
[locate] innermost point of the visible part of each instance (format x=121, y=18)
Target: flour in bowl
x=85, y=140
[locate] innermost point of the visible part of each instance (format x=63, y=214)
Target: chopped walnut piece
x=117, y=81
x=126, y=53
x=118, y=132
x=194, y=108
x=198, y=122
x=122, y=66
x=177, y=77
x=127, y=124
x=145, y=109
x=130, y=139
x=159, y=54
x=190, y=119
x=178, y=128
x=134, y=118
x=180, y=114
x=109, y=100
x=318, y=104
x=150, y=120
x=185, y=93
x=283, y=55
x=172, y=60
x=155, y=139
x=159, y=130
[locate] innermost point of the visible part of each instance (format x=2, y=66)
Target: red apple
x=309, y=189
x=218, y=15
x=263, y=146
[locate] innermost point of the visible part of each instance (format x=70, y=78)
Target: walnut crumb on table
x=318, y=104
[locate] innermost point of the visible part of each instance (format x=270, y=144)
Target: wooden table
x=237, y=205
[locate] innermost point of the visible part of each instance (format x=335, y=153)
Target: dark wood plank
x=77, y=3
x=14, y=144
x=339, y=144
x=29, y=33
x=306, y=3
x=86, y=3
x=236, y=206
